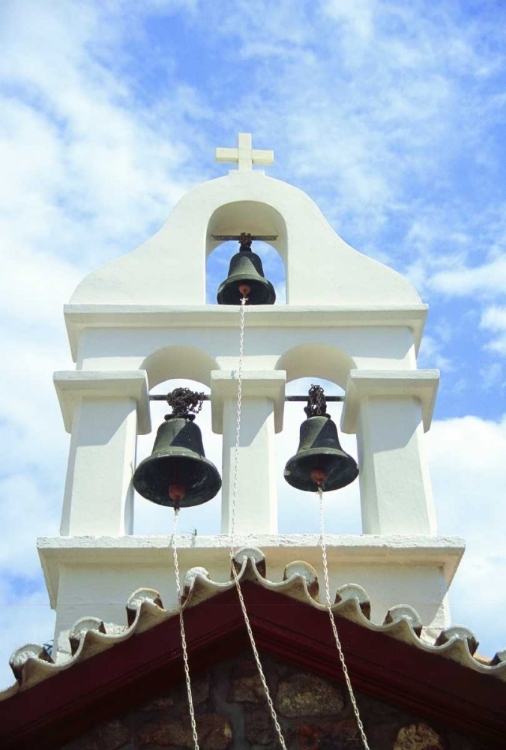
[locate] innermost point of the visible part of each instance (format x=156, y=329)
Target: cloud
x=431, y=354
x=87, y=174
x=492, y=377
x=469, y=479
x=26, y=619
x=487, y=279
x=494, y=320
x=357, y=16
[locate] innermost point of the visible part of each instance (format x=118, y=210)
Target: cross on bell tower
x=244, y=155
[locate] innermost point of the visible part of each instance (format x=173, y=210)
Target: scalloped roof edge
x=31, y=664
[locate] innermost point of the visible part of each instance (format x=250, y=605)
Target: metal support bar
x=258, y=237
x=160, y=397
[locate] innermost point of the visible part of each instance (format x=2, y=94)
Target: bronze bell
x=177, y=473
x=246, y=279
x=320, y=462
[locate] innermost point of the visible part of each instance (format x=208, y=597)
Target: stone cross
x=244, y=155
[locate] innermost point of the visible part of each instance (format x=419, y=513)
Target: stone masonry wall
x=232, y=714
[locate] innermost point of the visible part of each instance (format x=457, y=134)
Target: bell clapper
x=319, y=476
x=245, y=289
x=177, y=492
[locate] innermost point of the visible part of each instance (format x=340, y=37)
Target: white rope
x=183, y=635
x=232, y=533
x=237, y=425
x=333, y=624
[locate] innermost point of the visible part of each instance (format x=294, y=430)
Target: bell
x=246, y=279
x=177, y=473
x=320, y=462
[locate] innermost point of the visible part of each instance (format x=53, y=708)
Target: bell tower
x=143, y=319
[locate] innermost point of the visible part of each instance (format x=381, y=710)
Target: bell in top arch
x=177, y=473
x=246, y=279
x=320, y=462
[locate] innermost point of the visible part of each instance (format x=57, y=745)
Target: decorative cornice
x=81, y=317
x=365, y=384
x=73, y=386
x=444, y=552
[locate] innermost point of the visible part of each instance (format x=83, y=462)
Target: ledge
x=364, y=384
x=81, y=317
x=434, y=551
x=71, y=386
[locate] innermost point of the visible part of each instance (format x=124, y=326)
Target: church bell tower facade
x=143, y=319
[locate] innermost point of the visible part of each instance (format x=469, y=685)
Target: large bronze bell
x=320, y=462
x=246, y=279
x=177, y=473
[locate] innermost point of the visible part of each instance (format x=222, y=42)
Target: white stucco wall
x=142, y=319
x=169, y=269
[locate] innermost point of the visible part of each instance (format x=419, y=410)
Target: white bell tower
x=142, y=319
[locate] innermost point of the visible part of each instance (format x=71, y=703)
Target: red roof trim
x=138, y=668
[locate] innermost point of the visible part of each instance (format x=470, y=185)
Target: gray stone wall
x=232, y=714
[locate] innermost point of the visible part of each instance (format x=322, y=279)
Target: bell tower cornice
x=83, y=320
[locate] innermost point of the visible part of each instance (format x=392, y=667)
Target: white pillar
x=389, y=411
x=104, y=411
x=263, y=395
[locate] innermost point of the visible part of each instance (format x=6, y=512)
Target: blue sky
x=388, y=113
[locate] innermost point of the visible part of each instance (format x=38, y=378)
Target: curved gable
x=170, y=268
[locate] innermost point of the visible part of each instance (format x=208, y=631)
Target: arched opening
x=178, y=362
x=258, y=219
x=298, y=512
x=201, y=520
x=324, y=365
x=316, y=360
x=169, y=368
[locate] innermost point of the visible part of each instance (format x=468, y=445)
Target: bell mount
x=185, y=403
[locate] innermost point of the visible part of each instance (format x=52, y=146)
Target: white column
x=104, y=411
x=263, y=396
x=389, y=411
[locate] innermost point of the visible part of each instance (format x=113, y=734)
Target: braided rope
x=270, y=703
x=183, y=635
x=334, y=626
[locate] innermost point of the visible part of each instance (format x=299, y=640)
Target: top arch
x=170, y=268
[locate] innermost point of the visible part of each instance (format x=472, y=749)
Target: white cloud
x=356, y=14
x=431, y=354
x=485, y=279
x=469, y=479
x=86, y=173
x=28, y=619
x=492, y=376
x=494, y=320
